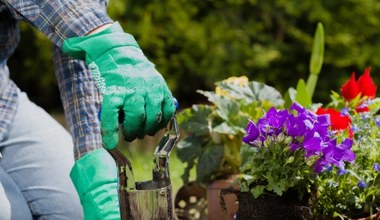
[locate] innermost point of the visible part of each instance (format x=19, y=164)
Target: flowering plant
x=213, y=131
x=287, y=149
x=353, y=191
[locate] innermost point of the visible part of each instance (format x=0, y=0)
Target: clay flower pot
x=215, y=209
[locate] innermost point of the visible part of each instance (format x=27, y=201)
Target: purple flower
x=297, y=107
x=365, y=115
x=346, y=151
x=264, y=127
x=319, y=165
x=308, y=132
x=362, y=184
x=342, y=171
x=294, y=146
x=295, y=126
x=276, y=119
x=324, y=120
x=377, y=121
x=323, y=132
x=355, y=128
x=252, y=133
x=345, y=111
x=332, y=155
x=376, y=167
x=312, y=144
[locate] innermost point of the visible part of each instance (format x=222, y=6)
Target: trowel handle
x=170, y=138
x=126, y=181
x=161, y=155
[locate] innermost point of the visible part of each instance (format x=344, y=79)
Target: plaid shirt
x=58, y=20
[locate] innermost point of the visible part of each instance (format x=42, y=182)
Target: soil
x=271, y=207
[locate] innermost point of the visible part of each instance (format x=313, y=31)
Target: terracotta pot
x=214, y=205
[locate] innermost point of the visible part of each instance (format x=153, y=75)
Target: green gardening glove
x=134, y=93
x=95, y=178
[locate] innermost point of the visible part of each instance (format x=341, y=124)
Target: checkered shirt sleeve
x=59, y=19
x=81, y=101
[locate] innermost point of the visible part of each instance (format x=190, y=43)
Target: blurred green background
x=197, y=42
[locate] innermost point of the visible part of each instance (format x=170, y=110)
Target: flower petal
x=366, y=85
x=350, y=89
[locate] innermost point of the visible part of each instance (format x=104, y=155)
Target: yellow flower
x=240, y=81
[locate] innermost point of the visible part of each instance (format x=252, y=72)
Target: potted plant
x=285, y=151
x=353, y=192
x=213, y=132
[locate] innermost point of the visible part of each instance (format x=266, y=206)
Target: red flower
x=350, y=89
x=338, y=121
x=361, y=108
x=366, y=85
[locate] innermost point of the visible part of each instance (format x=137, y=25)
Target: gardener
x=36, y=152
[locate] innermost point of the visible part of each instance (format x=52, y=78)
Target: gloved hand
x=132, y=89
x=95, y=177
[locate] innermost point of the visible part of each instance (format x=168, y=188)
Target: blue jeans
x=37, y=156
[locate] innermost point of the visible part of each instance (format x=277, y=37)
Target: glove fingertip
x=169, y=108
x=111, y=141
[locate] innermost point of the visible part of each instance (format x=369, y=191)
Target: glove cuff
x=94, y=169
x=90, y=47
x=95, y=178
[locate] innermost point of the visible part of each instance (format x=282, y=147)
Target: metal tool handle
x=126, y=179
x=161, y=155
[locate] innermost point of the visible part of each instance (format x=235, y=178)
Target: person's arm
x=60, y=20
x=94, y=173
x=134, y=94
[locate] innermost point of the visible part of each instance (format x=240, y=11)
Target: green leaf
x=186, y=173
x=302, y=96
x=211, y=96
x=247, y=152
x=225, y=107
x=316, y=59
x=257, y=191
x=253, y=92
x=290, y=97
x=209, y=162
x=224, y=128
x=374, y=105
x=189, y=148
x=279, y=187
x=195, y=119
x=317, y=54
